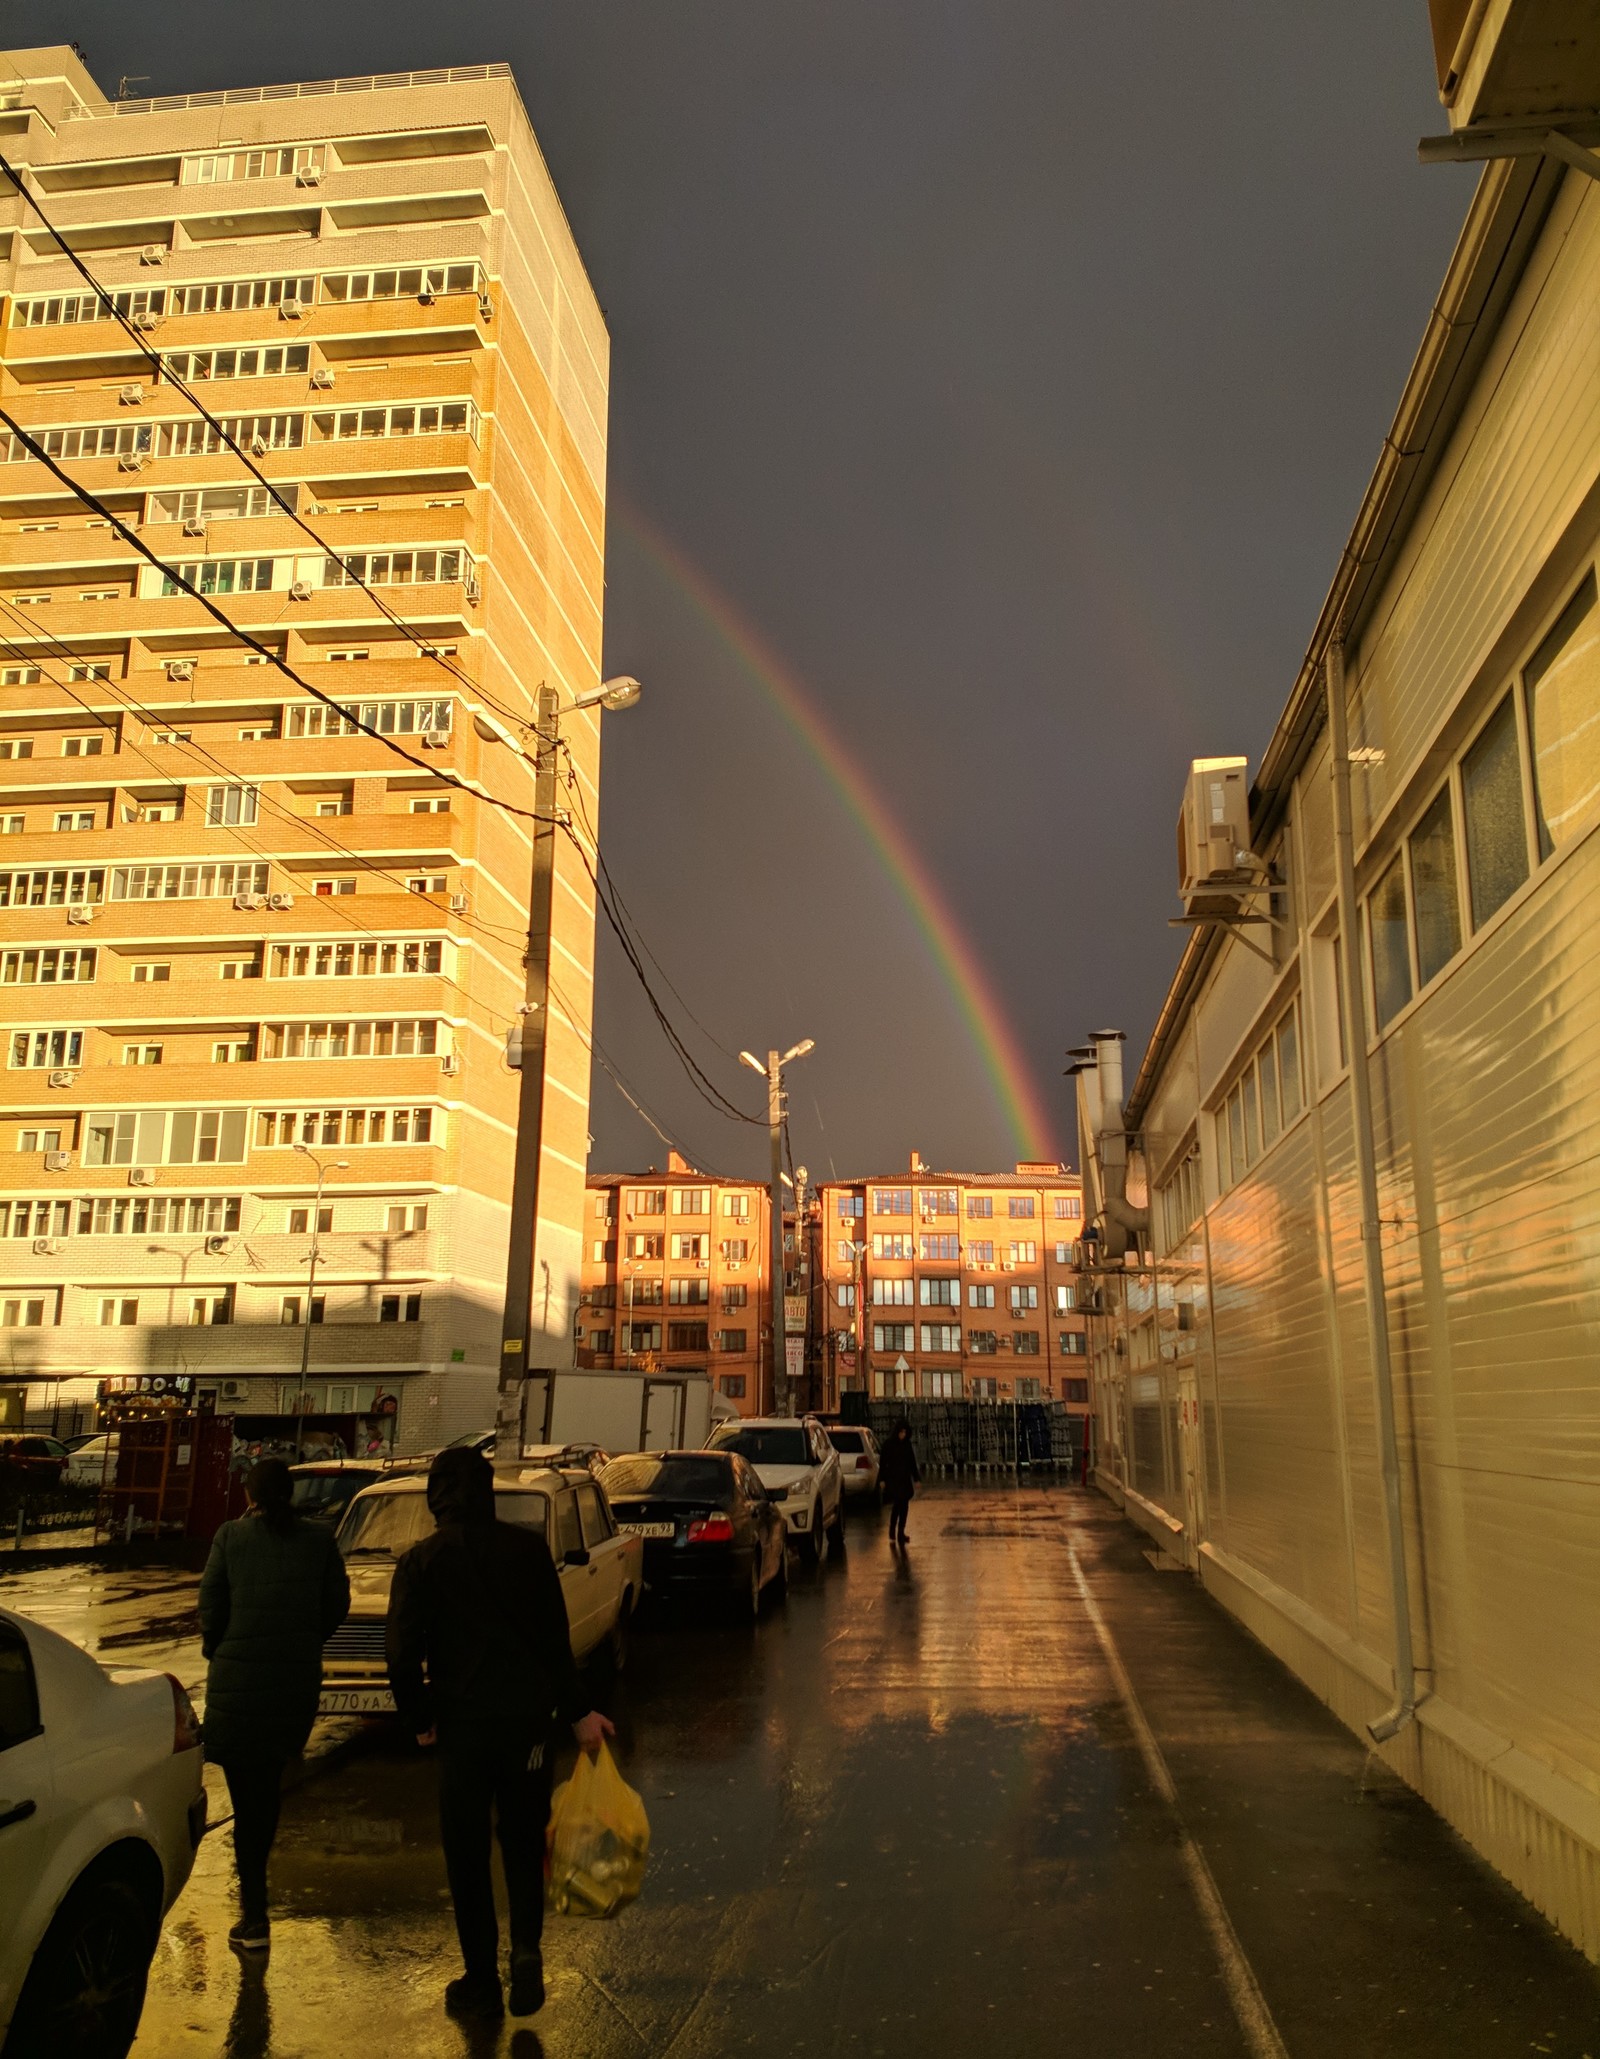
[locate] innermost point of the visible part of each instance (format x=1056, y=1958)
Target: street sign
x=794, y=1357
x=794, y=1312
x=902, y=1364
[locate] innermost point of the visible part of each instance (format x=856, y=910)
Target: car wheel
x=811, y=1541
x=617, y=1643
x=836, y=1528
x=85, y=1989
x=780, y=1579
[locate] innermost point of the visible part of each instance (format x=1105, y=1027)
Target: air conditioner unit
x=141, y=1176
x=280, y=902
x=703, y=1263
x=131, y=396
x=460, y=903
x=193, y=526
x=474, y=589
x=485, y=308
x=79, y=916
x=247, y=903
x=61, y=1077
x=1214, y=825
x=181, y=668
x=301, y=590
x=58, y=1161
x=46, y=1247
x=309, y=175
x=232, y=1390
x=450, y=1064
x=153, y=254
x=435, y=740
x=132, y=461
x=322, y=378
x=218, y=1247
x=1008, y=1265
x=291, y=309
x=147, y=321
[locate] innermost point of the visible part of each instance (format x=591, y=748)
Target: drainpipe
x=1405, y=1679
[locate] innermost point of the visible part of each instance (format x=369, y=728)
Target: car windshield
x=783, y=1444
x=846, y=1440
x=316, y=1493
x=668, y=1479
x=384, y=1525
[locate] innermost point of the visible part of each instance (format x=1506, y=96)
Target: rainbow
x=1004, y=1062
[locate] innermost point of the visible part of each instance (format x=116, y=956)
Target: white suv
x=798, y=1467
x=101, y=1811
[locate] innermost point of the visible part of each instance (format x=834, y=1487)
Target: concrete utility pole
x=772, y=1072
x=525, y=1050
x=323, y=1169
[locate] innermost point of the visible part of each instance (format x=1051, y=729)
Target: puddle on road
x=153, y=1630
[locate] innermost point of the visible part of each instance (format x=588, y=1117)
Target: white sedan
x=101, y=1811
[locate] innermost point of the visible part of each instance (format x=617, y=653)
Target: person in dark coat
x=898, y=1474
x=273, y=1591
x=480, y=1660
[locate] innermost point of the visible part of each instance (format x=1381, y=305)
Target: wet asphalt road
x=910, y=1814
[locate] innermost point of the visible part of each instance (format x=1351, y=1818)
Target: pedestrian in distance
x=273, y=1591
x=898, y=1474
x=480, y=1660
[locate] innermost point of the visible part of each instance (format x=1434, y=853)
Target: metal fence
x=978, y=1436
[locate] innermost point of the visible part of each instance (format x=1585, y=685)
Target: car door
x=576, y=1586
x=828, y=1488
x=606, y=1556
x=28, y=1827
x=767, y=1526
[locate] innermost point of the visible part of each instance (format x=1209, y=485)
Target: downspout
x=1405, y=1679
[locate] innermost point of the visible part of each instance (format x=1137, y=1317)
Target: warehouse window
x=1491, y=795
x=1389, y=944
x=1435, y=898
x=1562, y=682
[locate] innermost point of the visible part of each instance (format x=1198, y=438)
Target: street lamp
x=517, y=1315
x=324, y=1167
x=772, y=1072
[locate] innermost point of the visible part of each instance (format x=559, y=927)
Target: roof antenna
x=132, y=78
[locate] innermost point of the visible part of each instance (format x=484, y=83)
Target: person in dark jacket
x=898, y=1474
x=480, y=1660
x=273, y=1591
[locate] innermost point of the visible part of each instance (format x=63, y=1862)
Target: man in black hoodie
x=480, y=1660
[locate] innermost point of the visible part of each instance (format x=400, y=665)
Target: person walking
x=898, y=1474
x=273, y=1591
x=480, y=1660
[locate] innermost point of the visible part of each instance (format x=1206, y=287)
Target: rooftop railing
x=308, y=89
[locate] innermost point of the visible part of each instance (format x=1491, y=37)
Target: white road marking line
x=1244, y=1990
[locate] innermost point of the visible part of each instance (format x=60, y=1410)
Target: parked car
x=706, y=1522
x=101, y=1812
x=324, y=1488
x=858, y=1460
x=94, y=1461
x=40, y=1461
x=799, y=1469
x=580, y=1453
x=601, y=1572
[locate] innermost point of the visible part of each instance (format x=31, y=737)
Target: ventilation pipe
x=1377, y=1306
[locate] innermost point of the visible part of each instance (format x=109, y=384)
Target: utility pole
x=526, y=1050
x=772, y=1071
x=323, y=1169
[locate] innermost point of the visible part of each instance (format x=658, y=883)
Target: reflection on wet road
x=909, y=1816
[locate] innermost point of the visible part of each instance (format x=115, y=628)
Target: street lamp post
x=517, y=1319
x=772, y=1072
x=323, y=1169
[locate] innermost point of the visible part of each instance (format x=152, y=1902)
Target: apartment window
x=401, y=283
x=646, y=1244
x=980, y=1296
x=894, y=1293
x=936, y=1293
x=119, y=1312
x=980, y=1251
x=1025, y=1343
x=75, y=818
x=400, y=1308
x=1066, y=1299
x=407, y=1038
x=1067, y=1207
x=340, y=805
x=1287, y=1037
x=333, y=886
x=1023, y=1251
x=1389, y=943
x=403, y=1220
x=292, y=1306
x=1435, y=897
x=22, y=1315
x=434, y=418
x=18, y=675
x=35, y=1218
x=82, y=746
x=101, y=593
x=941, y=1249
x=688, y=1244
x=690, y=1293
x=1028, y=1390
x=231, y=806
x=601, y=1341
x=1063, y=1253
x=387, y=718
x=736, y=1207
x=852, y=1205
x=982, y=1387
x=157, y=811
x=171, y=736
x=691, y=1201
x=162, y=1136
x=942, y=1386
x=239, y=968
x=892, y=1337
x=845, y=1293
x=1562, y=683
x=646, y=1201
x=348, y=657
x=432, y=883
x=289, y=1126
x=101, y=670
x=258, y=733
x=141, y=1215
x=13, y=825
x=219, y=575
x=34, y=1048
x=983, y=1344
x=186, y=882
x=891, y=1201
x=733, y=1340
x=643, y=1336
x=150, y=972
x=1075, y=1390
x=429, y=807
x=731, y=1384
x=688, y=1337
x=938, y=1201
x=300, y=1221
x=646, y=1293
x=1075, y=1345
x=38, y=1140
x=736, y=1250
x=233, y=1052
x=891, y=1245
x=354, y=959
x=142, y=1054
x=222, y=166
x=941, y=1336
x=46, y=968
x=980, y=1205
x=603, y=1250
x=1020, y=1207
x=211, y=1310
x=1024, y=1298
x=18, y=746
x=1491, y=798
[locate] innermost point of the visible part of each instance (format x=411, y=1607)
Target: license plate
x=648, y=1529
x=355, y=1701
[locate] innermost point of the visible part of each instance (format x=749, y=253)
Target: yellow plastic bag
x=599, y=1840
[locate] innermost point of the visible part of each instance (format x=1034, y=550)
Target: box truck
x=621, y=1411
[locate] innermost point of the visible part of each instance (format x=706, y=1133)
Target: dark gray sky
x=1013, y=370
